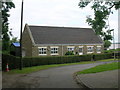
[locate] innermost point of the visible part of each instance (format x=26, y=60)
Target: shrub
x=47, y=60
x=69, y=53
x=112, y=50
x=11, y=60
x=102, y=56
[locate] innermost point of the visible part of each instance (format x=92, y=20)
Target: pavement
x=107, y=79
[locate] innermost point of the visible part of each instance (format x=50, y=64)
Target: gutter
x=66, y=44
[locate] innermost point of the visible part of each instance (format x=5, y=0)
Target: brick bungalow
x=50, y=41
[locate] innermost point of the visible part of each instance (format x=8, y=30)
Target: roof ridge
x=59, y=27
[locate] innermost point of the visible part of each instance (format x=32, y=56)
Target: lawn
x=27, y=70
x=101, y=68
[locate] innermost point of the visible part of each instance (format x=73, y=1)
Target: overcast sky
x=54, y=13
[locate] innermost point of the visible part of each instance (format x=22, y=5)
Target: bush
x=11, y=60
x=109, y=51
x=69, y=53
x=102, y=56
x=112, y=50
x=47, y=60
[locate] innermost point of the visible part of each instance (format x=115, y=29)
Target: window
x=80, y=50
x=90, y=49
x=70, y=48
x=54, y=50
x=98, y=49
x=42, y=50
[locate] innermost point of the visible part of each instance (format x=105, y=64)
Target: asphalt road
x=58, y=77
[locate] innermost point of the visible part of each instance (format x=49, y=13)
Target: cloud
x=51, y=13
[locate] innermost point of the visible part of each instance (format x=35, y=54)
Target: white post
x=114, y=44
x=62, y=50
x=118, y=33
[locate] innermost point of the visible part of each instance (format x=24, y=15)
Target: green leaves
x=69, y=53
x=102, y=10
x=83, y=4
x=9, y=5
x=6, y=6
x=107, y=44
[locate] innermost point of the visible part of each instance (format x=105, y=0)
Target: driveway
x=58, y=77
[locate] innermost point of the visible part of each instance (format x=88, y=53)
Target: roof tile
x=63, y=35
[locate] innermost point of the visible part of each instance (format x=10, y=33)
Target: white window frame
x=55, y=49
x=90, y=51
x=42, y=51
x=81, y=53
x=70, y=48
x=98, y=51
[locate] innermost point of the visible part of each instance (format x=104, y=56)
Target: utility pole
x=114, y=45
x=21, y=36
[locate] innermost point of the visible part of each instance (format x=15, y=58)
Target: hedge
x=102, y=56
x=47, y=60
x=11, y=60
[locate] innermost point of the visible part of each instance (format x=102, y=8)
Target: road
x=58, y=77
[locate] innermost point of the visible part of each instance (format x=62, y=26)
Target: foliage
x=112, y=50
x=48, y=60
x=27, y=70
x=11, y=60
x=102, y=10
x=6, y=6
x=69, y=53
x=107, y=44
x=101, y=68
x=14, y=39
x=102, y=56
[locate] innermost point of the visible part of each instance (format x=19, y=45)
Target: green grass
x=27, y=70
x=101, y=68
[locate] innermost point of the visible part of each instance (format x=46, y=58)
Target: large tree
x=102, y=10
x=6, y=6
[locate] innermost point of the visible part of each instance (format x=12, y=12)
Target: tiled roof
x=63, y=35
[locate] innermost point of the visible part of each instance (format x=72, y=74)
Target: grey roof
x=63, y=35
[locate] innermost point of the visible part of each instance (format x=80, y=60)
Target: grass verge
x=101, y=68
x=27, y=70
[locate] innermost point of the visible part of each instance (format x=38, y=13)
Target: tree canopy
x=102, y=10
x=6, y=6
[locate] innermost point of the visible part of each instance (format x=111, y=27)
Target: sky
x=62, y=13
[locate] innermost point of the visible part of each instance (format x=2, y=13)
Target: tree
x=102, y=10
x=6, y=6
x=13, y=40
x=107, y=44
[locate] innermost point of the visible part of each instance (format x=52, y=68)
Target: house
x=15, y=49
x=52, y=41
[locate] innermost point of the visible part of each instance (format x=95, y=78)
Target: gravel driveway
x=58, y=77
